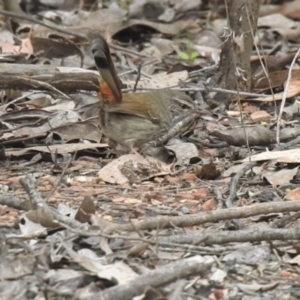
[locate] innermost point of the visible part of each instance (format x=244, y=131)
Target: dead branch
x=204, y=217
x=28, y=183
x=18, y=76
x=15, y=202
x=241, y=236
x=161, y=276
x=234, y=182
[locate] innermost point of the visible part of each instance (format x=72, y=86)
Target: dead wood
x=240, y=236
x=29, y=184
x=156, y=278
x=65, y=79
x=205, y=217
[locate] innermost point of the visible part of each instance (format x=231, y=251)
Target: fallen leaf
x=114, y=171
x=293, y=194
x=278, y=178
x=285, y=156
x=209, y=204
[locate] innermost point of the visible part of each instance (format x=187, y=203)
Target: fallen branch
x=65, y=79
x=28, y=183
x=240, y=236
x=203, y=217
x=15, y=202
x=161, y=276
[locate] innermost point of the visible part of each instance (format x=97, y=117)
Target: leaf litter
x=77, y=222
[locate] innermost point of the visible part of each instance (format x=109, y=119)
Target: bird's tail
x=110, y=84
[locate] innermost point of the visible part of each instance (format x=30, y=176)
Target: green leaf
x=183, y=55
x=194, y=55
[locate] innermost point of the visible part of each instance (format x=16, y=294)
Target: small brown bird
x=130, y=119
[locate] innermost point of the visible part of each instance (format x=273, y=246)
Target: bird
x=129, y=119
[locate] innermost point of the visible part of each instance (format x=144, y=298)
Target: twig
x=288, y=144
x=155, y=278
x=232, y=194
x=201, y=218
x=175, y=129
x=40, y=84
x=179, y=241
x=263, y=62
x=28, y=236
x=61, y=176
x=214, y=237
x=14, y=202
x=234, y=181
x=138, y=77
x=199, y=89
x=286, y=88
x=28, y=183
x=18, y=99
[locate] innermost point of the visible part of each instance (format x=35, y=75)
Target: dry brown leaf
x=281, y=177
x=275, y=21
x=126, y=200
x=189, y=177
x=25, y=47
x=133, y=163
x=208, y=171
x=160, y=81
x=293, y=195
x=293, y=90
x=201, y=193
x=276, y=78
x=138, y=249
x=256, y=135
x=209, y=204
x=291, y=9
x=86, y=209
x=251, y=108
x=260, y=116
x=285, y=156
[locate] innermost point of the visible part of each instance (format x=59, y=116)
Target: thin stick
x=286, y=88
x=138, y=77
